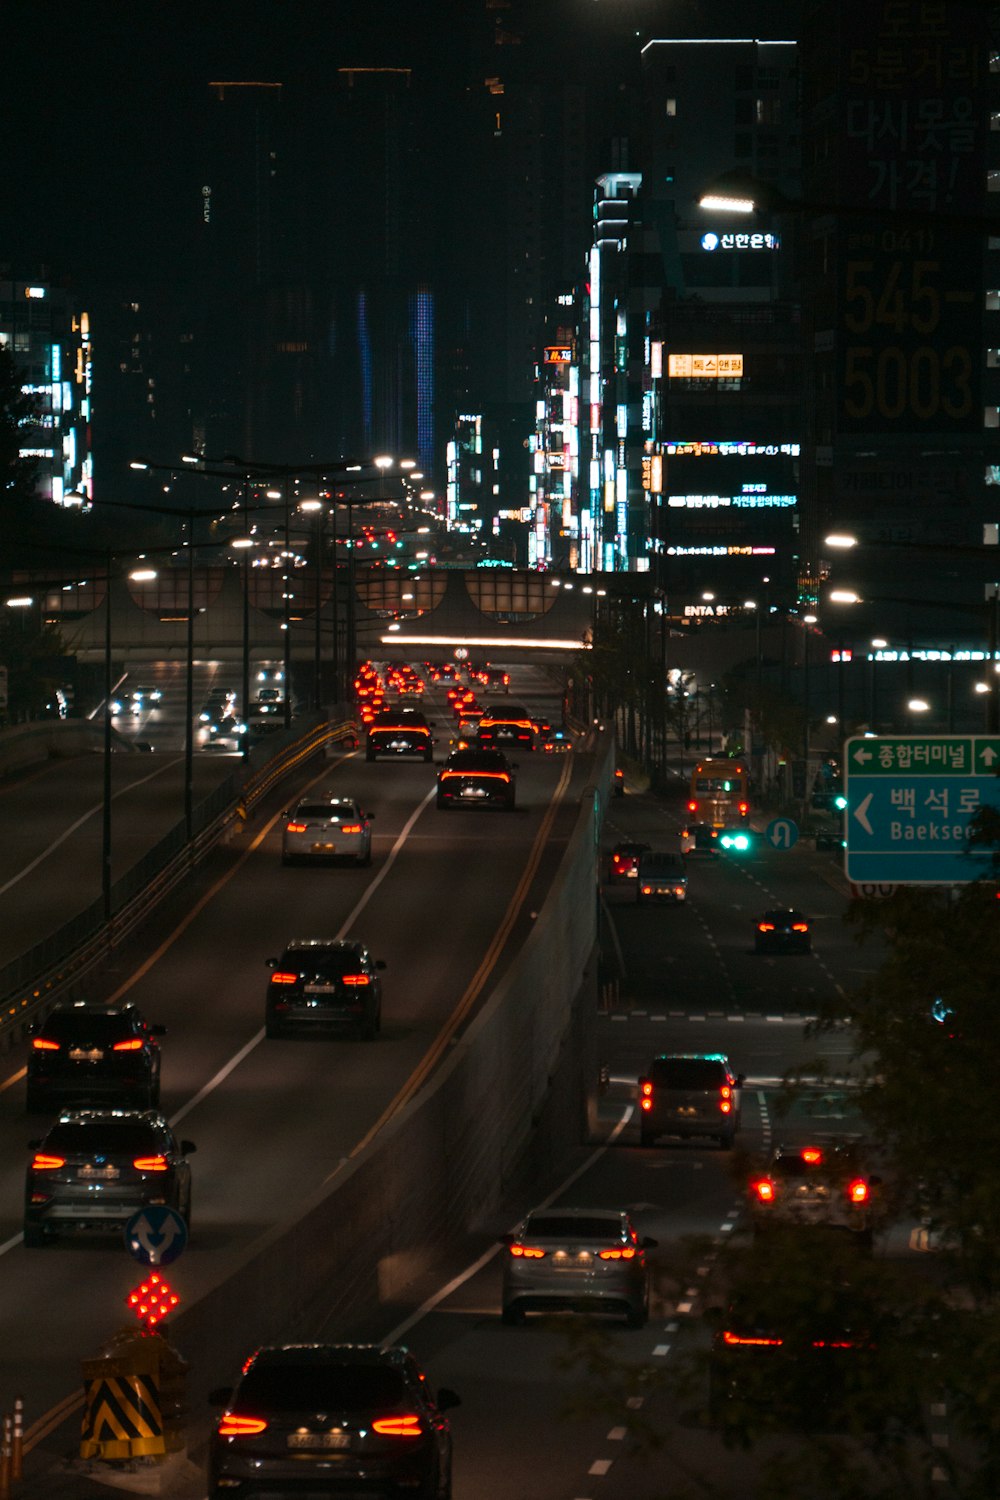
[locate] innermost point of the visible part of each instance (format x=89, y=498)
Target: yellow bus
x=718, y=793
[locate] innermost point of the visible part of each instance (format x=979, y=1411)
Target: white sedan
x=326, y=827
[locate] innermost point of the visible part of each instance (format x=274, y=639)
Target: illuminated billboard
x=704, y=366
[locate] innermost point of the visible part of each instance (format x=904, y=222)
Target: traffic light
x=736, y=840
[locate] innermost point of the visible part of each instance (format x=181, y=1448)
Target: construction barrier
x=121, y=1414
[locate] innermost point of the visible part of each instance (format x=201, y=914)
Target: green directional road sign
x=910, y=800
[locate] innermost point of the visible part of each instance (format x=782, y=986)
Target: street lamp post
x=106, y=809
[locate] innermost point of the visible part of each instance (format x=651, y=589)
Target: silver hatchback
x=576, y=1258
x=327, y=827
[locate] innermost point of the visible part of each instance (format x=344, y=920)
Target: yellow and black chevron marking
x=121, y=1418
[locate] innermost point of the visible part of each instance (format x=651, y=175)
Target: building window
x=993, y=301
x=991, y=416
x=767, y=111
x=671, y=107
x=993, y=359
x=993, y=181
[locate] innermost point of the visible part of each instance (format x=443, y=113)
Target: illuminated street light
x=844, y=596
x=143, y=575
x=918, y=706
x=841, y=540
x=20, y=601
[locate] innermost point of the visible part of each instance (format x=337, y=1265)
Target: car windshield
x=333, y=962
x=107, y=1138
x=93, y=1026
x=319, y=1386
x=573, y=1227
x=688, y=1072
x=666, y=863
x=331, y=812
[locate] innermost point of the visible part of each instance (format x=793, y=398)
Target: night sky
x=101, y=98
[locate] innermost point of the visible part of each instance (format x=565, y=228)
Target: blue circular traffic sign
x=156, y=1235
x=782, y=833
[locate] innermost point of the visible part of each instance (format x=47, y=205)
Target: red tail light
x=726, y=1106
x=529, y=1252
x=355, y=979
x=647, y=890
x=738, y=1338
x=616, y=859
x=43, y=1163
x=726, y=1091
x=295, y=827
x=692, y=807
x=744, y=809
x=398, y=1426
x=645, y=1093
x=764, y=1190
x=233, y=1426
x=150, y=1163
x=350, y=828
x=628, y=1252
x=858, y=1191
x=133, y=1044
x=280, y=977
x=765, y=926
x=812, y=1155
x=40, y=1044
x=800, y=926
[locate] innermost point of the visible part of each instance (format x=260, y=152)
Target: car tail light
x=356, y=979
x=527, y=1252
x=858, y=1191
x=408, y=1426
x=732, y=1339
x=765, y=926
x=132, y=1044
x=678, y=891
x=44, y=1163
x=628, y=1252
x=42, y=1044
x=616, y=859
x=296, y=827
x=233, y=1426
x=764, y=1190
x=281, y=977
x=744, y=809
x=800, y=926
x=812, y=1154
x=150, y=1163
x=645, y=1093
x=726, y=1092
x=726, y=1106
x=647, y=890
x=692, y=807
x=350, y=828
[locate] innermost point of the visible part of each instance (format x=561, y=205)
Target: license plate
x=319, y=1440
x=324, y=848
x=686, y=1109
x=563, y=1260
x=473, y=791
x=80, y=1054
x=321, y=989
x=398, y=745
x=97, y=1174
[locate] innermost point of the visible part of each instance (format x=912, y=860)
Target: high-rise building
x=48, y=334
x=901, y=271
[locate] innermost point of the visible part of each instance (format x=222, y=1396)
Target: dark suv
x=97, y=1167
x=325, y=1419
x=690, y=1094
x=399, y=731
x=477, y=778
x=322, y=982
x=93, y=1054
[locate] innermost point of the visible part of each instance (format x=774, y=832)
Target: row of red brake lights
x=767, y=1190
x=42, y=1044
x=409, y=1425
x=646, y=1096
x=301, y=827
x=43, y=1162
x=535, y=1252
x=281, y=976
x=743, y=808
x=769, y=927
x=733, y=1339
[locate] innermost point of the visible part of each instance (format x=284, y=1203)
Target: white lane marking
x=635, y=1403
x=68, y=832
x=436, y=1298
x=617, y=1434
x=600, y=1466
x=684, y=1307
x=660, y=1351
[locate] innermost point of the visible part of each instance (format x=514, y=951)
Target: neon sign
x=726, y=449
x=713, y=241
x=704, y=366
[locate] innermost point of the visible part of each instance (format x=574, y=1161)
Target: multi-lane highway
x=274, y=1120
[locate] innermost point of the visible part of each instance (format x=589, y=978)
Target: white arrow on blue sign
x=155, y=1235
x=782, y=833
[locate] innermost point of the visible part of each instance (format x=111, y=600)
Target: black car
x=506, y=725
x=397, y=732
x=319, y=983
x=93, y=1054
x=782, y=931
x=476, y=778
x=97, y=1167
x=325, y=1419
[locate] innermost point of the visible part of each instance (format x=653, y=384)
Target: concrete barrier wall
x=26, y=745
x=440, y=1168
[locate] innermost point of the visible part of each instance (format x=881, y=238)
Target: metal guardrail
x=55, y=968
